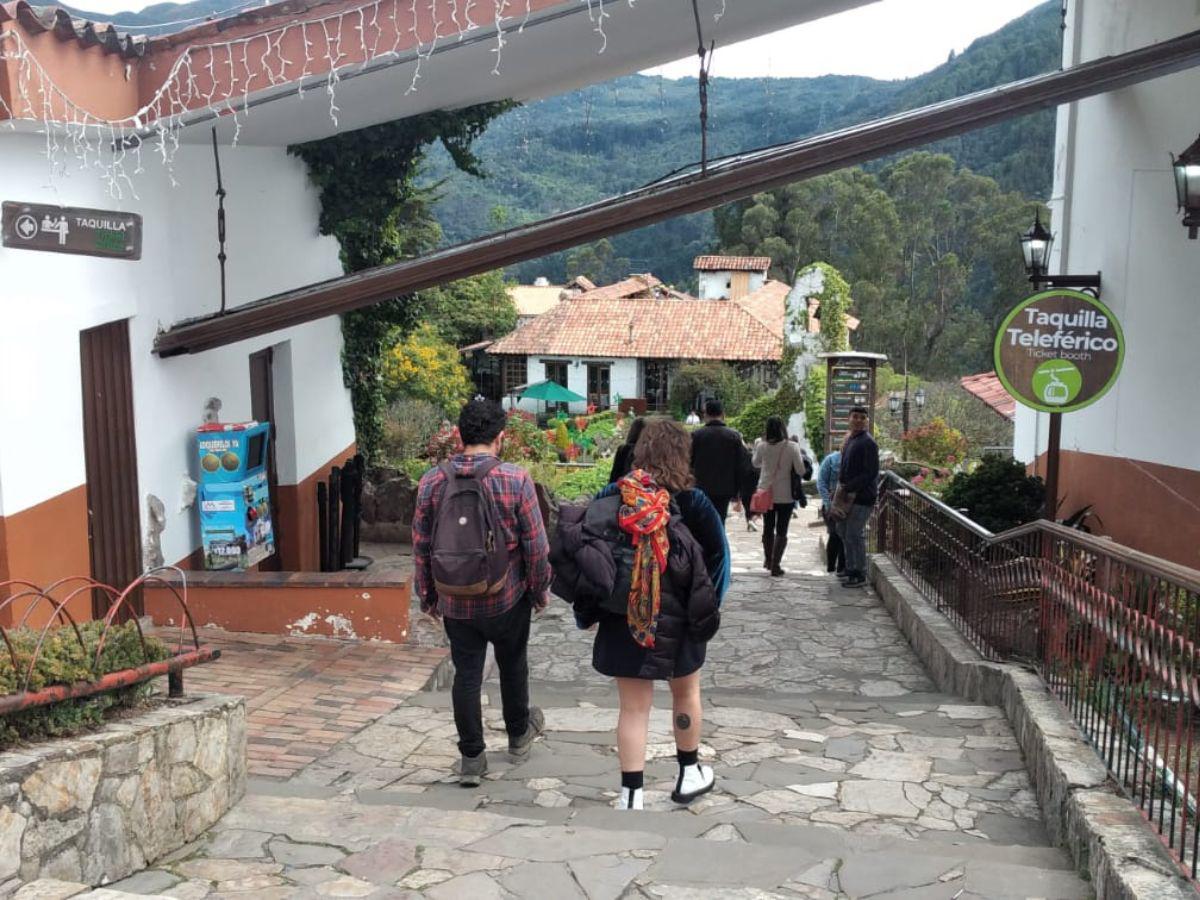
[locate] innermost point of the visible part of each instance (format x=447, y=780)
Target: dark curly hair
x=665, y=451
x=479, y=422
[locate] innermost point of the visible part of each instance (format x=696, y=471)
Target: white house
x=1135, y=454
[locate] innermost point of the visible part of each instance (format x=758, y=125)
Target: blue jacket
x=827, y=476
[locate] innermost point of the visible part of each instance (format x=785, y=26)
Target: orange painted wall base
x=335, y=604
x=1146, y=506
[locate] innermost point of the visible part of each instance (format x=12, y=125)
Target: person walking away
x=481, y=561
x=632, y=565
x=718, y=457
x=623, y=458
x=776, y=459
x=858, y=474
x=827, y=478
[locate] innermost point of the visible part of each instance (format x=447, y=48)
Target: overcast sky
x=888, y=39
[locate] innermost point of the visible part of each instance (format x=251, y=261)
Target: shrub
x=714, y=378
x=424, y=367
x=582, y=483
x=935, y=442
x=752, y=421
x=408, y=425
x=814, y=409
x=998, y=494
x=523, y=441
x=562, y=440
x=444, y=443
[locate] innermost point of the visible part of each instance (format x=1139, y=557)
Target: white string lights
x=216, y=79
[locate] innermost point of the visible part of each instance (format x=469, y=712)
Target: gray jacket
x=775, y=463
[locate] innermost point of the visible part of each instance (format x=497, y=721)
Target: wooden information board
x=849, y=382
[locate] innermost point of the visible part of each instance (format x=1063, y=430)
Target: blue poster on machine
x=233, y=496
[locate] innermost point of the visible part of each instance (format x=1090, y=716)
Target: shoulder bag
x=763, y=500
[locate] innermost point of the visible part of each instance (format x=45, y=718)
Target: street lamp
x=900, y=404
x=1187, y=186
x=919, y=397
x=1035, y=248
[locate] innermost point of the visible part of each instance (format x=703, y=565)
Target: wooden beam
x=726, y=180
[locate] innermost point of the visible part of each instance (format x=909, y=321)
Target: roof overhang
x=685, y=193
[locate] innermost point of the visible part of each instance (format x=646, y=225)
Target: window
x=513, y=373
x=557, y=372
x=598, y=381
x=656, y=384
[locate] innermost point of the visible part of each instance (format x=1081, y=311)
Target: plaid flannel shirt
x=521, y=520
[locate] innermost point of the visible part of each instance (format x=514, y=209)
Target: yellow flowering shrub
x=424, y=367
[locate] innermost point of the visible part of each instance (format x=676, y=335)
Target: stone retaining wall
x=1103, y=831
x=101, y=806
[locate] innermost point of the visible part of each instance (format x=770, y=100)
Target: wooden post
x=1052, y=466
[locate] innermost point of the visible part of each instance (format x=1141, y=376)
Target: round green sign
x=1059, y=351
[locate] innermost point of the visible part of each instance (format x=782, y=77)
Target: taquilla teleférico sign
x=1059, y=351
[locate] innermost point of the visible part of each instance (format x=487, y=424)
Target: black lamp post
x=1187, y=187
x=900, y=405
x=1035, y=248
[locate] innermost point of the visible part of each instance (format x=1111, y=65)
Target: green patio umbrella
x=551, y=392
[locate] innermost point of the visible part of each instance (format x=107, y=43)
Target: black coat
x=859, y=468
x=622, y=463
x=589, y=556
x=719, y=459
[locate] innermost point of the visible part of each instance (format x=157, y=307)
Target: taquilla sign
x=1059, y=351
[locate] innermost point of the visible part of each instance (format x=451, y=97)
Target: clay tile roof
x=768, y=304
x=646, y=328
x=987, y=387
x=629, y=287
x=37, y=20
x=731, y=263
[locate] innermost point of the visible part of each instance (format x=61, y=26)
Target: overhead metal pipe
x=691, y=191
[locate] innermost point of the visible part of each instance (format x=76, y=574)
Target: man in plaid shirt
x=501, y=619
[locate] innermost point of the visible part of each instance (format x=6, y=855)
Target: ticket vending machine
x=233, y=496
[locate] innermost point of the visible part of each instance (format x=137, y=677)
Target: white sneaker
x=631, y=798
x=693, y=781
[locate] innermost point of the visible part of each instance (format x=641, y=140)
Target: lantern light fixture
x=1036, y=244
x=1187, y=186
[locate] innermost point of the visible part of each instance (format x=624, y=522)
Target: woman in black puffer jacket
x=597, y=554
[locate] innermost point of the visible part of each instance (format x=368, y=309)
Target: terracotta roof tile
x=731, y=263
x=987, y=387
x=646, y=328
x=629, y=287
x=37, y=20
x=768, y=304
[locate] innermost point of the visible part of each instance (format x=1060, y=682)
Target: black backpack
x=469, y=552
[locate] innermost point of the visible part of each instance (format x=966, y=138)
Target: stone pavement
x=842, y=773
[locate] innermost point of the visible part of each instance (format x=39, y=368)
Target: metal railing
x=1114, y=633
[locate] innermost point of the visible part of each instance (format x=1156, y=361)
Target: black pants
x=777, y=518
x=509, y=634
x=835, y=552
x=722, y=505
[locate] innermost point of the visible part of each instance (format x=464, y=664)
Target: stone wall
x=101, y=806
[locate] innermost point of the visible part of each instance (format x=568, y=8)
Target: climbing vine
x=372, y=205
x=835, y=304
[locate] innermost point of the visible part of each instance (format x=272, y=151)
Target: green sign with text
x=1059, y=351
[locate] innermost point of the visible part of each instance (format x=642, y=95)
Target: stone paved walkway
x=843, y=773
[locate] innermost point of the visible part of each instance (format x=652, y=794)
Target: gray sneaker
x=519, y=746
x=472, y=770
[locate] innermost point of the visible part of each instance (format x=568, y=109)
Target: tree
x=470, y=310
x=597, y=262
x=715, y=378
x=372, y=205
x=421, y=366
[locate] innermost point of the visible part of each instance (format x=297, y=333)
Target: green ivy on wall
x=379, y=215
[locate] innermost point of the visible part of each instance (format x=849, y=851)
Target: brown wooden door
x=262, y=409
x=110, y=459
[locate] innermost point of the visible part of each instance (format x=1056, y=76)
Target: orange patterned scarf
x=645, y=511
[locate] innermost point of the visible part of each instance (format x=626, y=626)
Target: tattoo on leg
x=683, y=721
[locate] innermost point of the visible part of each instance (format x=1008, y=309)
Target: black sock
x=632, y=780
x=687, y=757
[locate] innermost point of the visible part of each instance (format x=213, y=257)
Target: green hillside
x=564, y=151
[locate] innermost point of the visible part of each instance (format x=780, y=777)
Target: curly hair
x=665, y=451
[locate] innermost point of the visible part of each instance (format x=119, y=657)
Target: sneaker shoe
x=519, y=746
x=472, y=770
x=693, y=782
x=631, y=798
x=856, y=582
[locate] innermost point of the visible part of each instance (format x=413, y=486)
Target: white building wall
x=623, y=379
x=715, y=285
x=1114, y=212
x=46, y=299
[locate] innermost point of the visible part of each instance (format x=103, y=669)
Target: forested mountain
x=564, y=151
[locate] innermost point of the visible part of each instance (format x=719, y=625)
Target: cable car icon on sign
x=1057, y=382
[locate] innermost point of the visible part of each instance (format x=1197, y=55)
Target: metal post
x=1052, y=466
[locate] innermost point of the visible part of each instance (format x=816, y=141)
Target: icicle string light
x=217, y=79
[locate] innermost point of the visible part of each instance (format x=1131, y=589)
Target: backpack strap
x=484, y=468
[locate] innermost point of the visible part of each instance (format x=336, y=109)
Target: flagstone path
x=843, y=773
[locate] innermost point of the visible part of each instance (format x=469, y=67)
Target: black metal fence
x=1114, y=633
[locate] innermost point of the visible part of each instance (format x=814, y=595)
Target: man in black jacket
x=719, y=458
x=858, y=475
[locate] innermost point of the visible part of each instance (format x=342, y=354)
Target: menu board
x=849, y=383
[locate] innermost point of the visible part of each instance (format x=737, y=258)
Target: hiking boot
x=519, y=746
x=694, y=781
x=768, y=542
x=781, y=543
x=472, y=769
